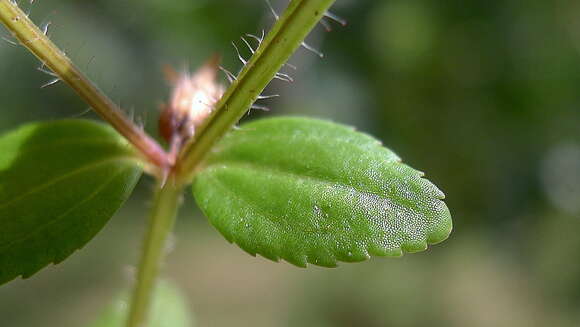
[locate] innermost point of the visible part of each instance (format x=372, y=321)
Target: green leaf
x=60, y=182
x=311, y=191
x=168, y=309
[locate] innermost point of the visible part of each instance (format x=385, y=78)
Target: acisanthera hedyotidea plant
x=297, y=189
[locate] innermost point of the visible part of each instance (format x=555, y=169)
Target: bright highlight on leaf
x=310, y=191
x=60, y=182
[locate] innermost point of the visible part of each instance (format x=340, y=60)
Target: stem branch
x=285, y=37
x=30, y=36
x=161, y=223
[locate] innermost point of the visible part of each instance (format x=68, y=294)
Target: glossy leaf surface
x=168, y=309
x=311, y=191
x=60, y=182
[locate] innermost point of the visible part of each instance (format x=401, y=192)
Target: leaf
x=311, y=191
x=168, y=309
x=60, y=182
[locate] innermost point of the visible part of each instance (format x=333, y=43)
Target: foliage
x=312, y=191
x=168, y=309
x=302, y=190
x=61, y=183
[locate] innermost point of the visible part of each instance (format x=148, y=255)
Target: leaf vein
x=64, y=214
x=47, y=184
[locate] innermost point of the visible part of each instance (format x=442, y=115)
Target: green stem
x=161, y=223
x=30, y=36
x=285, y=37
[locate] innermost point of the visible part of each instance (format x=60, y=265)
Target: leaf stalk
x=286, y=36
x=31, y=37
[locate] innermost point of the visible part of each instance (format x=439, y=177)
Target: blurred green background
x=482, y=95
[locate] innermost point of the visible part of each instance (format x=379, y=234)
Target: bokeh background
x=484, y=96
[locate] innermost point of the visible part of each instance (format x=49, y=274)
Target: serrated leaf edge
x=369, y=249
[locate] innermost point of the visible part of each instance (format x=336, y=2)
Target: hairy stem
x=161, y=223
x=30, y=36
x=285, y=37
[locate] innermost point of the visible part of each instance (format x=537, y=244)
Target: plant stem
x=285, y=37
x=161, y=222
x=50, y=55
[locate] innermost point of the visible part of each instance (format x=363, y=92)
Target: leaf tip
x=443, y=230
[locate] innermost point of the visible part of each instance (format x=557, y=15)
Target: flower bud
x=193, y=98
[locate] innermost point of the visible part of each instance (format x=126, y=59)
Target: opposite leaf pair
x=302, y=190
